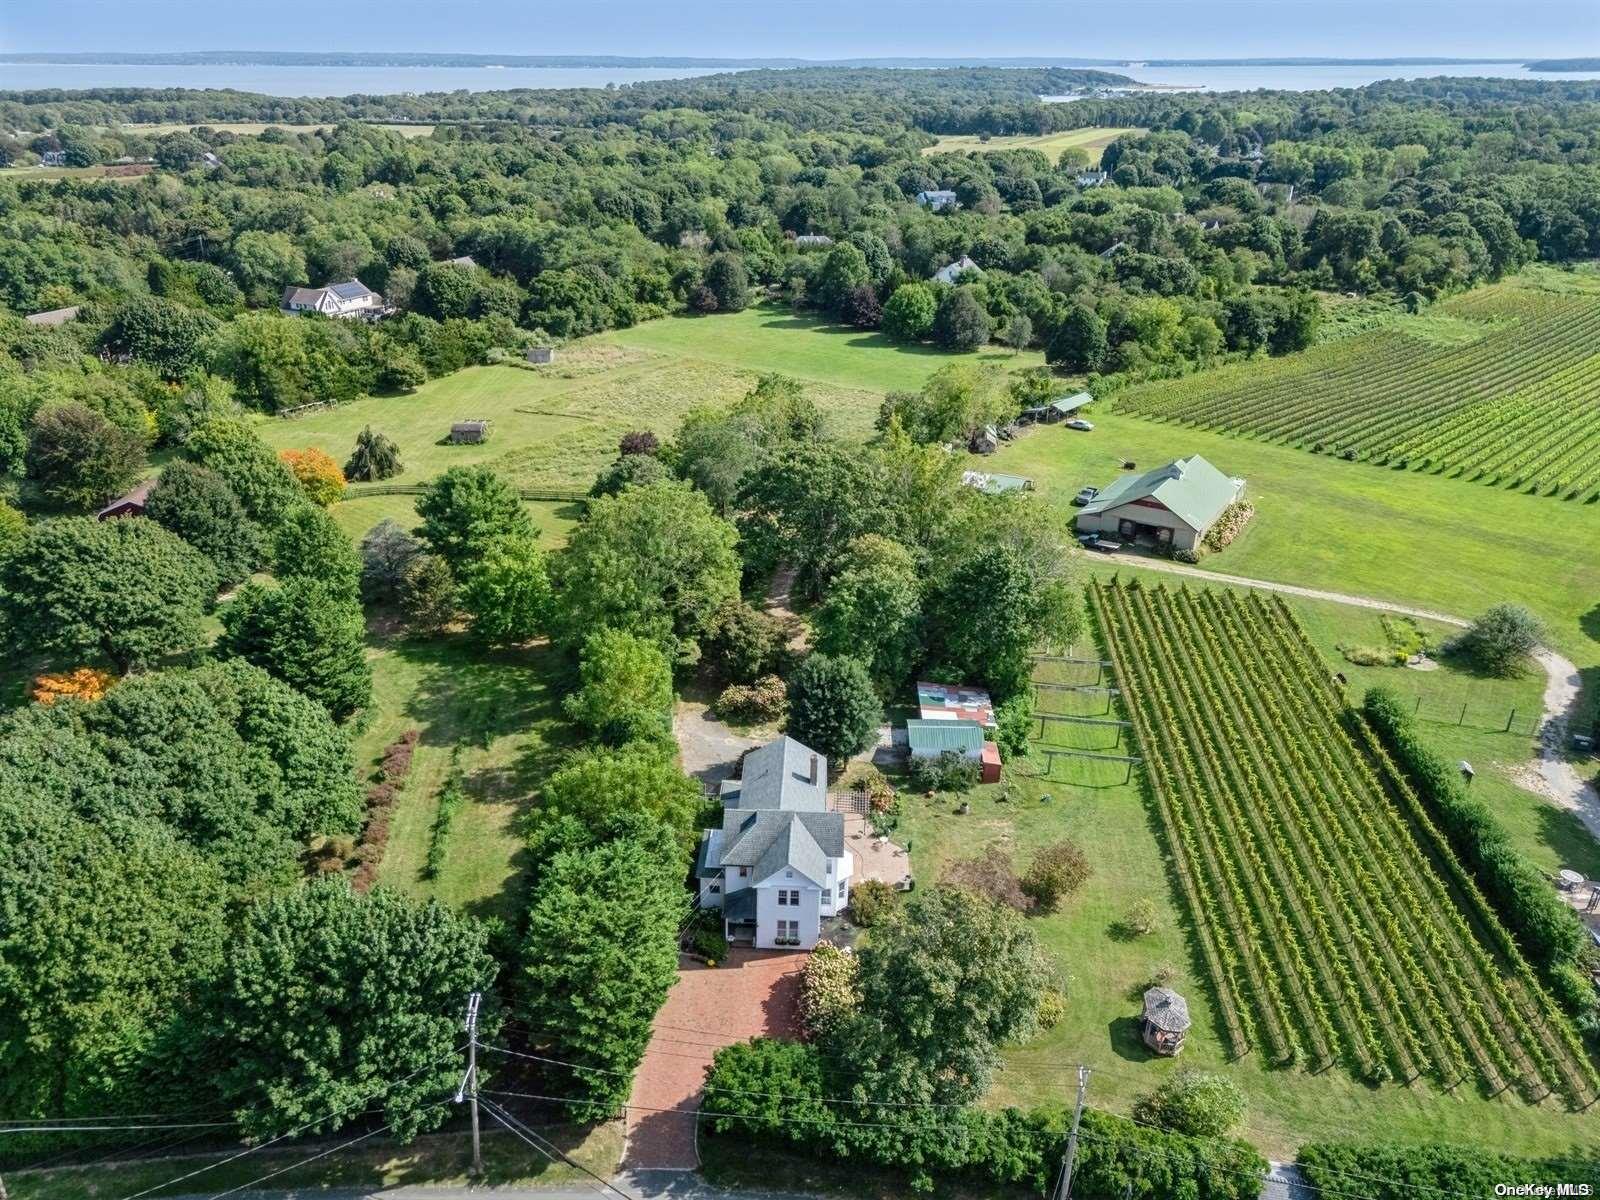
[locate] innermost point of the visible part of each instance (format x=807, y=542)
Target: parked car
x=1080, y=423
x=1085, y=495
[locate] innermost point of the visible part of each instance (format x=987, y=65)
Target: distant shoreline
x=293, y=58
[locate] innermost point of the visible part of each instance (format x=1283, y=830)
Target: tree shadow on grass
x=1571, y=840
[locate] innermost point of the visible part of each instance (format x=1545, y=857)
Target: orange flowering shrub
x=85, y=683
x=318, y=475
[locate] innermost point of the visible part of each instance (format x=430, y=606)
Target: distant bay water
x=382, y=80
x=1306, y=77
x=326, y=81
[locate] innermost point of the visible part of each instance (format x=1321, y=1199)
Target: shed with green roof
x=930, y=739
x=1172, y=505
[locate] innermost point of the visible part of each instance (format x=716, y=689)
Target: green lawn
x=1103, y=971
x=556, y=426
x=1441, y=544
x=1093, y=139
x=439, y=1159
x=770, y=337
x=357, y=513
x=494, y=715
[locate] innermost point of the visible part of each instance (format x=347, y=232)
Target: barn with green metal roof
x=1172, y=505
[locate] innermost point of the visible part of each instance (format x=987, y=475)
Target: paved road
x=638, y=1185
x=1552, y=775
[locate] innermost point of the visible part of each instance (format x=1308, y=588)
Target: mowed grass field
x=556, y=426
x=1093, y=139
x=1103, y=970
x=1442, y=544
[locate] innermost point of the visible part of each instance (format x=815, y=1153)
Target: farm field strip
x=1533, y=1010
x=1514, y=406
x=1286, y=820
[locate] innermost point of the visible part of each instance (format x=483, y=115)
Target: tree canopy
x=127, y=591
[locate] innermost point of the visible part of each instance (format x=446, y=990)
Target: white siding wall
x=709, y=898
x=769, y=912
x=836, y=887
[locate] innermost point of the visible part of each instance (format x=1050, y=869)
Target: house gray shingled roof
x=769, y=840
x=777, y=816
x=782, y=774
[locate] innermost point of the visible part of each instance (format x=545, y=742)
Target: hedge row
x=1394, y=1172
x=776, y=1091
x=1549, y=932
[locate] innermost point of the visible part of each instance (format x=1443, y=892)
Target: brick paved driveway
x=753, y=992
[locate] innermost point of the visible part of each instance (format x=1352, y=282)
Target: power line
x=522, y=1130
x=909, y=1104
x=1192, y=1160
x=384, y=1128
x=1331, y=1127
x=298, y=1129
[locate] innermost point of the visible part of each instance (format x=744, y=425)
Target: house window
x=789, y=897
x=743, y=872
x=788, y=933
x=716, y=888
x=827, y=895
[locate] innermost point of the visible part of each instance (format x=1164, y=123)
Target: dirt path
x=1551, y=775
x=1558, y=779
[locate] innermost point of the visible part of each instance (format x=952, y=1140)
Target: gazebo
x=1166, y=1020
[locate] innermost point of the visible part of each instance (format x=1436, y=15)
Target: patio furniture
x=1569, y=879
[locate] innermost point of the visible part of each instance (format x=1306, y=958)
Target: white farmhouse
x=778, y=865
x=352, y=298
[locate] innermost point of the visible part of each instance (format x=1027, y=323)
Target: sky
x=820, y=28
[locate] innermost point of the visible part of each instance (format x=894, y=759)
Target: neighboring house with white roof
x=996, y=483
x=1175, y=504
x=352, y=298
x=778, y=865
x=954, y=702
x=954, y=271
x=938, y=199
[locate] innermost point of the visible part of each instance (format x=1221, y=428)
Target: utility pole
x=469, y=1085
x=1072, y=1138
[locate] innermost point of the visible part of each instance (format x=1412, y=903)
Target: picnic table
x=1569, y=878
